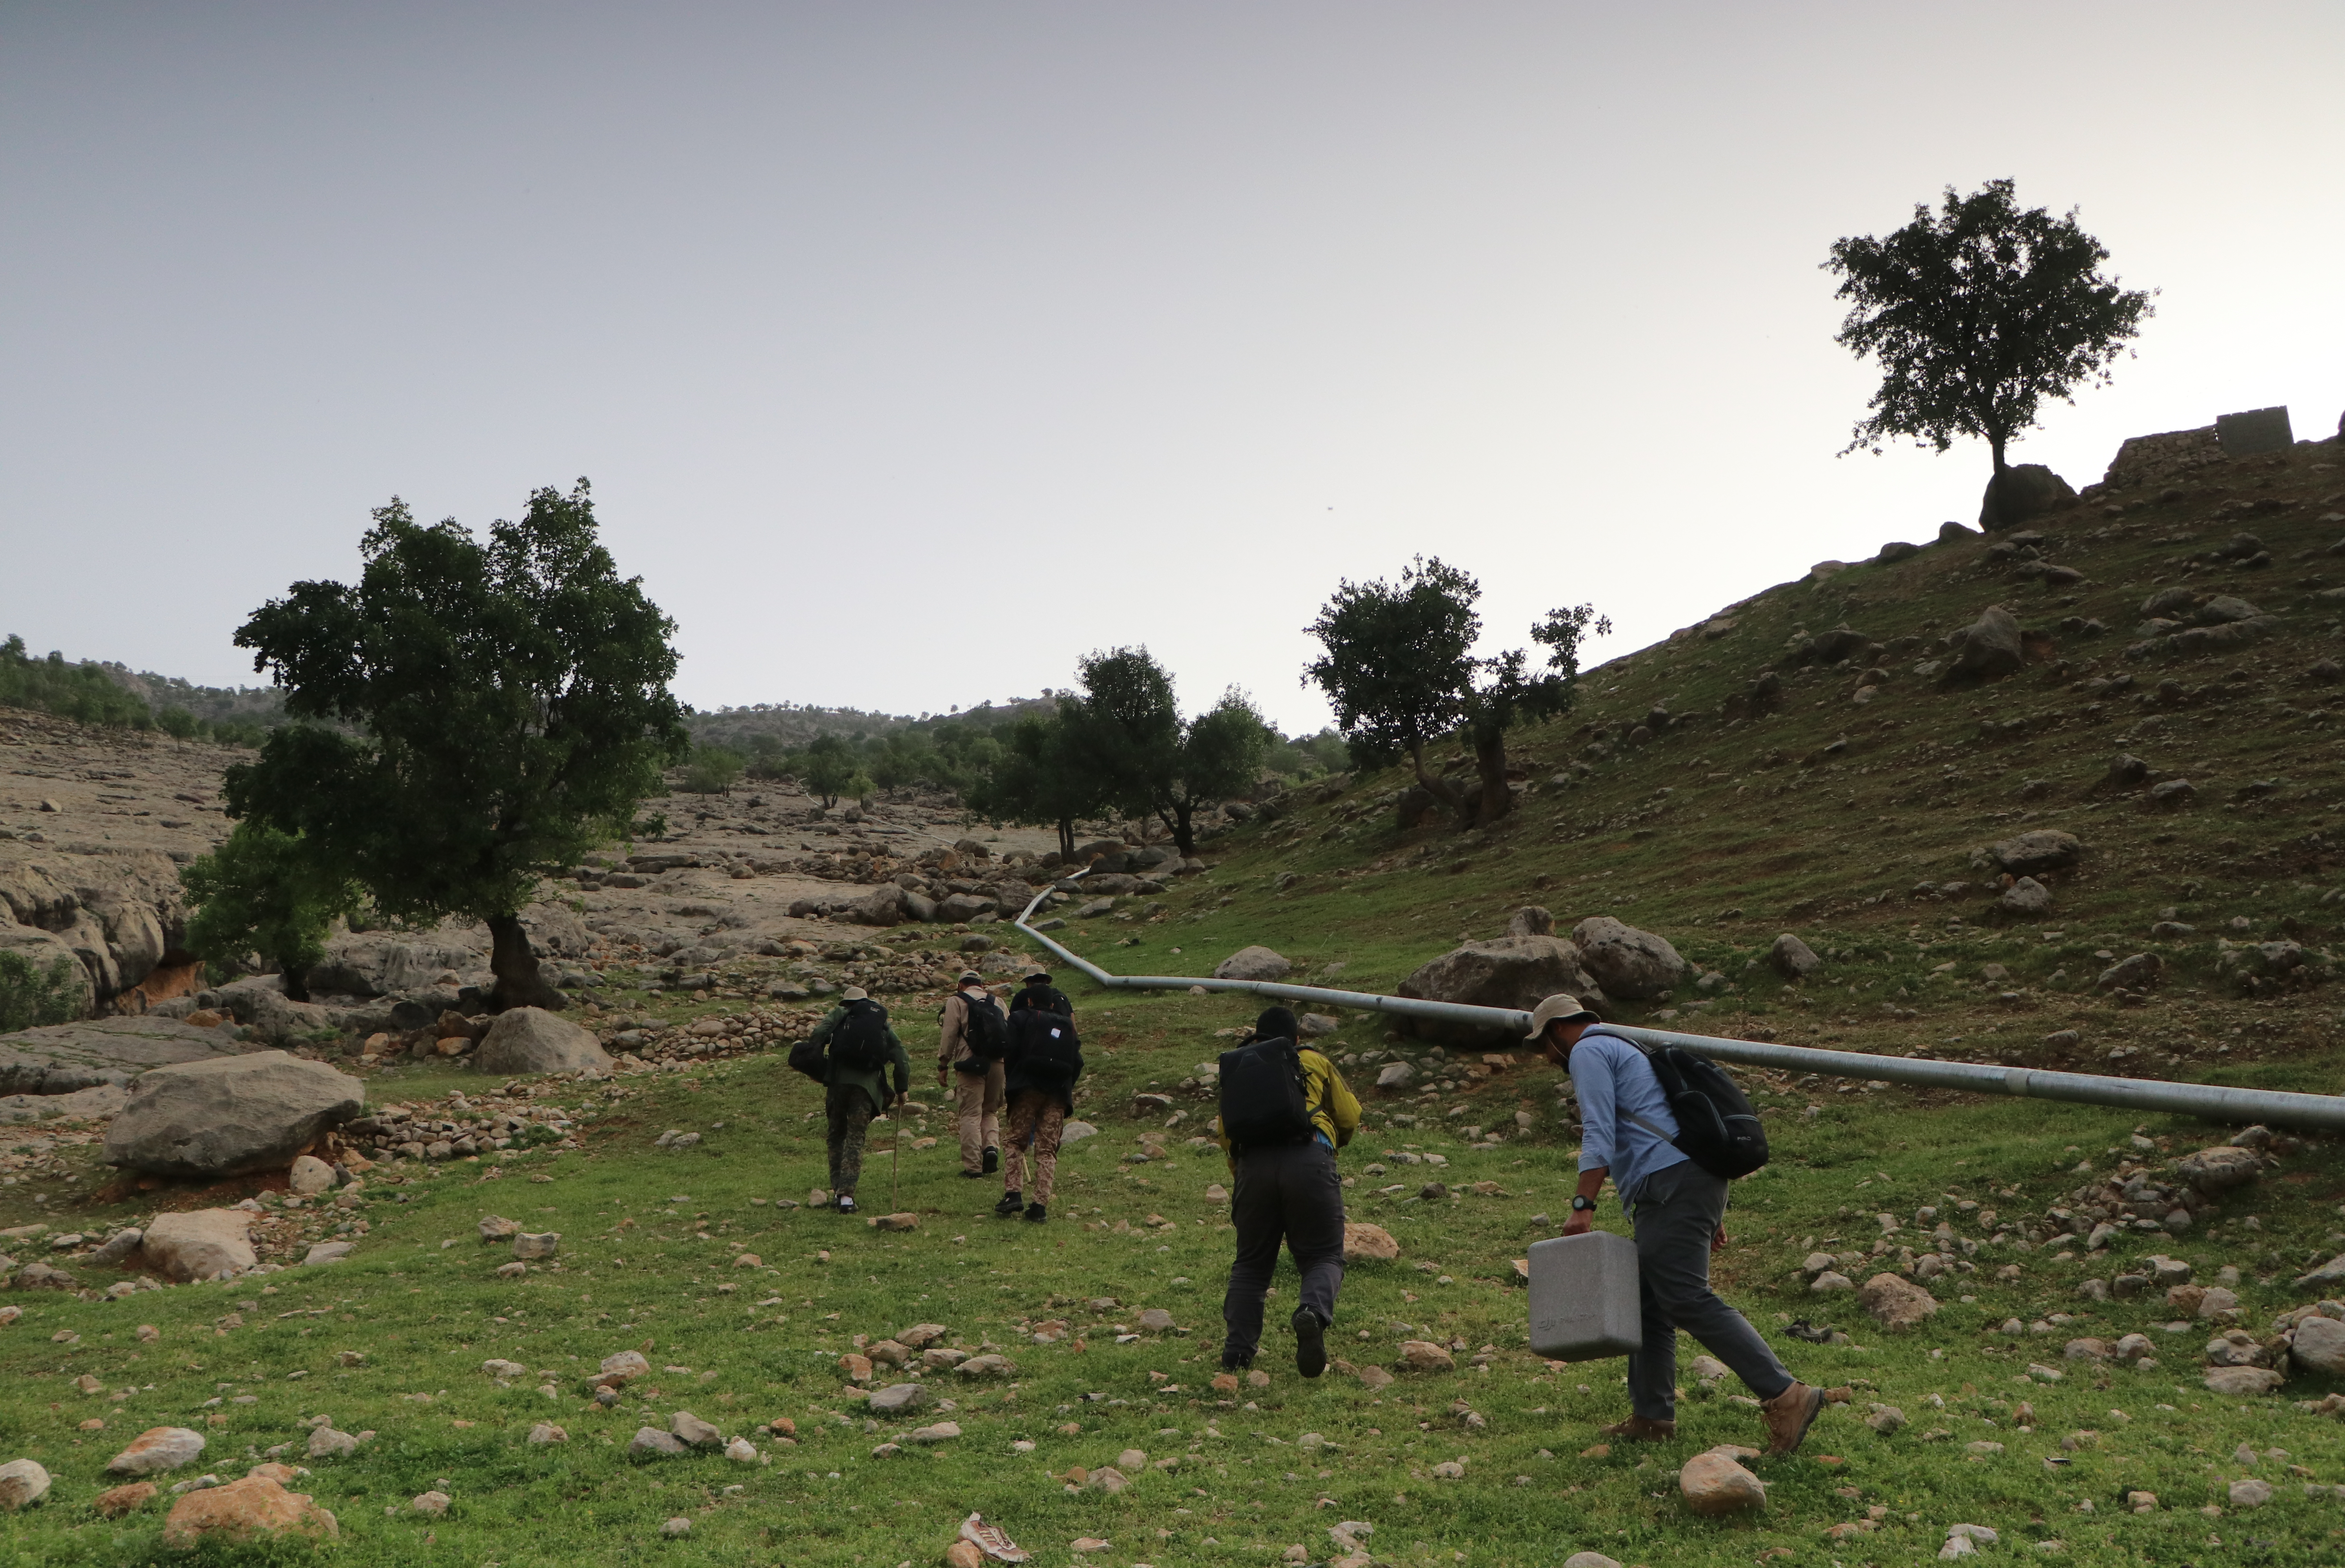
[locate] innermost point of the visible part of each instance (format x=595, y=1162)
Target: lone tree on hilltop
x=1126, y=734
x=469, y=717
x=1976, y=315
x=1400, y=669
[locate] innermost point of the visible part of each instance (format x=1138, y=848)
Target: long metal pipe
x=2212, y=1102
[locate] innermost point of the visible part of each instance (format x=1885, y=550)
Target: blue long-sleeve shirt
x=1616, y=1084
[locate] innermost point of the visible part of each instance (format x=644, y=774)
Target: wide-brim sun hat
x=1567, y=1008
x=855, y=993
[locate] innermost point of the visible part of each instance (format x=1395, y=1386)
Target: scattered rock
x=1712, y=1484
x=1517, y=973
x=532, y=1040
x=157, y=1450
x=1792, y=958
x=23, y=1483
x=434, y=1503
x=1988, y=649
x=309, y=1175
x=1364, y=1243
x=2220, y=1170
x=898, y=1398
x=1252, y=964
x=691, y=1429
x=242, y=1512
x=122, y=1500
x=2032, y=854
x=1425, y=1356
x=2240, y=1381
x=650, y=1443
x=1895, y=1302
x=1628, y=962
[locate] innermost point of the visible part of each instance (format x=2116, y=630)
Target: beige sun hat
x=857, y=994
x=1567, y=1008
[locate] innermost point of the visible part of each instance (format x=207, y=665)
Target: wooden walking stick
x=895, y=1142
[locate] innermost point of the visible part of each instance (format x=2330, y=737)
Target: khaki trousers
x=979, y=1097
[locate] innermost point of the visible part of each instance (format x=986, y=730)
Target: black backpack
x=1045, y=1044
x=859, y=1042
x=1717, y=1129
x=984, y=1029
x=1263, y=1102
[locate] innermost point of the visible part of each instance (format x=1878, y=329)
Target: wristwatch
x=1582, y=1205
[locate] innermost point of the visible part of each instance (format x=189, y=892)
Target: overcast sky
x=915, y=350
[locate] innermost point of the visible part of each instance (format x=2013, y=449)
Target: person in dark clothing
x=1039, y=1070
x=853, y=1096
x=1290, y=1192
x=1039, y=992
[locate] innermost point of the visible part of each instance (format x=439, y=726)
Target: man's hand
x=1580, y=1222
x=1718, y=1239
x=941, y=1075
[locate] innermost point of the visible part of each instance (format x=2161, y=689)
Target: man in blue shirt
x=1679, y=1210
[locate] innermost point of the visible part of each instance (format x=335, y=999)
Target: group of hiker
x=1022, y=1065
x=1666, y=1128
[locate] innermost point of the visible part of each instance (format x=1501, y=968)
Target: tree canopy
x=468, y=717
x=1976, y=315
x=1398, y=666
x=262, y=891
x=1126, y=732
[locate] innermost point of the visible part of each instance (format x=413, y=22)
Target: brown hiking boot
x=1637, y=1429
x=1789, y=1415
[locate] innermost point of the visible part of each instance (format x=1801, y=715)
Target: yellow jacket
x=1335, y=1109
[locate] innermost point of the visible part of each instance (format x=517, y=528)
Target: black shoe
x=1310, y=1343
x=1011, y=1204
x=974, y=1175
x=1037, y=1213
x=1237, y=1363
x=846, y=1204
x=992, y=1160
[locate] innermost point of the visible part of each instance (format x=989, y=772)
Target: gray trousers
x=1292, y=1194
x=1674, y=1216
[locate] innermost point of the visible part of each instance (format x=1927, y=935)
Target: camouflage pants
x=1037, y=1117
x=851, y=1112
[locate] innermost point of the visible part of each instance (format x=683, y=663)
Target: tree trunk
x=297, y=980
x=1490, y=761
x=1066, y=838
x=1994, y=441
x=1442, y=789
x=519, y=984
x=1184, y=837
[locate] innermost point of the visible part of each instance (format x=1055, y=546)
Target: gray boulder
x=2030, y=854
x=2022, y=493
x=962, y=907
x=1252, y=964
x=224, y=1118
x=883, y=906
x=1516, y=973
x=279, y=1021
x=2025, y=897
x=202, y=1244
x=532, y=1040
x=1792, y=958
x=1988, y=649
x=1627, y=962
x=61, y=1058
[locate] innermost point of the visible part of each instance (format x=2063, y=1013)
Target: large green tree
x=263, y=891
x=1035, y=778
x=1976, y=314
x=470, y=715
x=1127, y=733
x=1397, y=663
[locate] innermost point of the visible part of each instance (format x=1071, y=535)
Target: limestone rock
x=1363, y=1242
x=2025, y=897
x=1628, y=962
x=2022, y=493
x=532, y=1040
x=1252, y=964
x=1714, y=1484
x=1792, y=958
x=620, y=1368
x=243, y=1512
x=1516, y=973
x=229, y=1116
x=1989, y=648
x=529, y=1246
x=1591, y=1560
x=691, y=1429
x=2041, y=850
x=157, y=1449
x=23, y=1482
x=2220, y=1170
x=116, y=1502
x=202, y=1244
x=325, y=1443
x=1425, y=1356
x=1895, y=1302
x=2241, y=1381
x=650, y=1443
x=898, y=1398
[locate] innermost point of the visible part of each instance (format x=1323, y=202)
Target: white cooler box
x=1583, y=1291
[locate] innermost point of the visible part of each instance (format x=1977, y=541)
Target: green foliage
x=263, y=891
x=82, y=693
x=1307, y=757
x=32, y=995
x=1397, y=663
x=1034, y=779
x=713, y=770
x=507, y=710
x=1977, y=316
x=826, y=768
x=1125, y=736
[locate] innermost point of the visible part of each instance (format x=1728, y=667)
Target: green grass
x=426, y=1317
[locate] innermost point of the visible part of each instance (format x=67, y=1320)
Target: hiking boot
x=1230, y=1363
x=974, y=1175
x=1310, y=1343
x=846, y=1204
x=1637, y=1429
x=1789, y=1415
x=1011, y=1205
x=992, y=1160
x=1037, y=1213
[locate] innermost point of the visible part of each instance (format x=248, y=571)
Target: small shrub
x=31, y=996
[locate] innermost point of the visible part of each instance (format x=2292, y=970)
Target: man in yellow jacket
x=1285, y=1110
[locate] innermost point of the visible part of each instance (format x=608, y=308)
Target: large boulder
x=1988, y=649
x=2021, y=494
x=532, y=1040
x=2034, y=853
x=281, y=1021
x=255, y=1509
x=883, y=906
x=1628, y=962
x=1363, y=1242
x=1896, y=1302
x=1252, y=964
x=202, y=1244
x=201, y=1120
x=1516, y=973
x=62, y=1058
